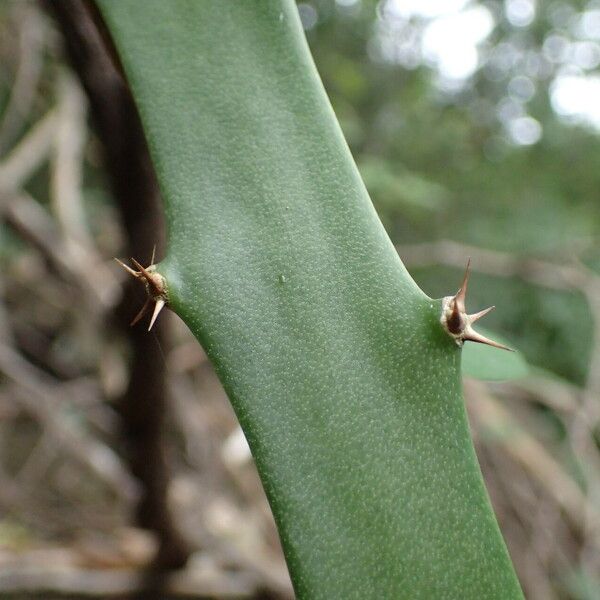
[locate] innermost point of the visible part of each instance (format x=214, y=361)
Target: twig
x=35, y=225
x=35, y=393
x=500, y=264
x=532, y=456
x=560, y=396
x=37, y=463
x=207, y=582
x=27, y=156
x=27, y=75
x=67, y=167
x=582, y=435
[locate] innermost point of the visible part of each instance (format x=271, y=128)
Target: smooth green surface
x=342, y=378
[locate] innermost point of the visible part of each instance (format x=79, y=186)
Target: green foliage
x=485, y=362
x=488, y=191
x=346, y=386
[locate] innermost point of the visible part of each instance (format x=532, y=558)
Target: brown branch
x=29, y=219
x=29, y=67
x=500, y=264
x=25, y=158
x=71, y=581
x=532, y=456
x=38, y=394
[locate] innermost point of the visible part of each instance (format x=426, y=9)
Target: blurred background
x=476, y=128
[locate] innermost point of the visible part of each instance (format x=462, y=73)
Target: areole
x=156, y=287
x=458, y=324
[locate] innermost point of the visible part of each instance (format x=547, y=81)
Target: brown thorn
x=473, y=336
x=461, y=295
x=160, y=303
x=140, y=268
x=480, y=314
x=141, y=313
x=127, y=268
x=156, y=291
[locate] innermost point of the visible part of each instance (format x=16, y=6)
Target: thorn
x=473, y=336
x=155, y=287
x=140, y=268
x=127, y=268
x=480, y=314
x=462, y=292
x=141, y=313
x=160, y=303
x=153, y=254
x=458, y=323
x=148, y=277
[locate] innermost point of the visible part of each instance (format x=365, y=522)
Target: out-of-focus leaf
x=396, y=189
x=492, y=364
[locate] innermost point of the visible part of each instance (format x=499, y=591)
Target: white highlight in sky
x=428, y=9
x=577, y=97
x=525, y=131
x=450, y=41
x=588, y=25
x=452, y=29
x=521, y=88
x=520, y=13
